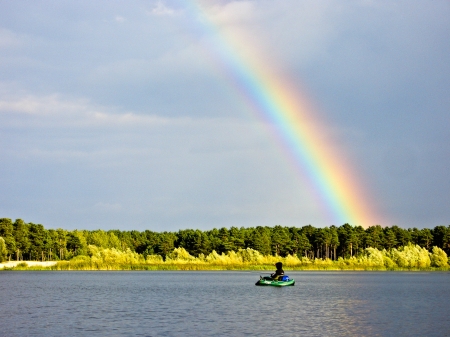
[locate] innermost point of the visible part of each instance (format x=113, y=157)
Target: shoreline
x=67, y=266
x=13, y=264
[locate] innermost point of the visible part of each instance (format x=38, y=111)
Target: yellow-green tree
x=3, y=250
x=439, y=258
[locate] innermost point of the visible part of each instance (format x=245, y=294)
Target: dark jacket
x=279, y=272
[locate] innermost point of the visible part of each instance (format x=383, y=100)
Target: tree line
x=28, y=241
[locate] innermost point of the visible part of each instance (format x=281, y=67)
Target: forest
x=304, y=247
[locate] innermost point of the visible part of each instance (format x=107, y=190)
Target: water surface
x=223, y=304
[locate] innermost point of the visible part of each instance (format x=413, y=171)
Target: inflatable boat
x=267, y=281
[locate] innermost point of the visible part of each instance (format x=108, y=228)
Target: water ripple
x=223, y=303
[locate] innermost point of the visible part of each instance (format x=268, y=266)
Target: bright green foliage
x=224, y=259
x=114, y=242
x=411, y=256
x=110, y=257
x=7, y=232
x=388, y=263
x=438, y=258
x=103, y=239
x=408, y=257
x=373, y=257
x=179, y=254
x=216, y=258
x=154, y=259
x=249, y=255
x=98, y=238
x=3, y=250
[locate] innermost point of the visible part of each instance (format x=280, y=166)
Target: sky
x=123, y=114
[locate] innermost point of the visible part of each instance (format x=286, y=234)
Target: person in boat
x=279, y=272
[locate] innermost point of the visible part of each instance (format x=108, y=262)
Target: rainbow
x=295, y=122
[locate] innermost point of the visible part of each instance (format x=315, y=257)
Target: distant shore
x=410, y=257
x=186, y=266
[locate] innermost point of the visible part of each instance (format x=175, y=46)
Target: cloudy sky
x=119, y=114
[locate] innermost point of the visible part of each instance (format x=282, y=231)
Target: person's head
x=279, y=265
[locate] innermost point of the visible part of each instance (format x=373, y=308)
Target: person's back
x=279, y=272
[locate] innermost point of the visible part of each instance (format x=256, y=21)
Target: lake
x=161, y=303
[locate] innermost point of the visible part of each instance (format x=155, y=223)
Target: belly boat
x=267, y=281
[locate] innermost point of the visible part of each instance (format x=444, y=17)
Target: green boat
x=267, y=281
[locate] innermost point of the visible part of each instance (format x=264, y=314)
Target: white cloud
x=161, y=9
x=54, y=110
x=9, y=39
x=234, y=12
x=119, y=19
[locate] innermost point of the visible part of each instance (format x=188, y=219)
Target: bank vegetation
x=306, y=248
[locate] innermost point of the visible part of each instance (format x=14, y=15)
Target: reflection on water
x=223, y=303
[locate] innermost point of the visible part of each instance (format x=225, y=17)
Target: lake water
x=223, y=304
